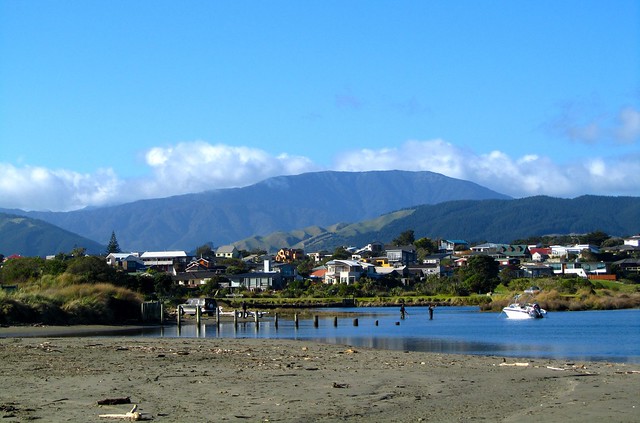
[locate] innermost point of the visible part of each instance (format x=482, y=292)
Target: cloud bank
x=198, y=166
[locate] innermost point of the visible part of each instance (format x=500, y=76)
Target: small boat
x=240, y=314
x=518, y=310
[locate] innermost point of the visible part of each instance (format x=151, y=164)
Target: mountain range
x=318, y=211
x=475, y=221
x=282, y=203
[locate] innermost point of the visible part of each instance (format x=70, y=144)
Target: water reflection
x=463, y=330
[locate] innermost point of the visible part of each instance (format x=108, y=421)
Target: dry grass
x=72, y=304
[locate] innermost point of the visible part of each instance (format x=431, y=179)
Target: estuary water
x=580, y=335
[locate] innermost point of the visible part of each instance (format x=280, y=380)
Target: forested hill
x=32, y=237
x=282, y=203
x=500, y=221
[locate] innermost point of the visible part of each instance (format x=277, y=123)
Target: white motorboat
x=517, y=310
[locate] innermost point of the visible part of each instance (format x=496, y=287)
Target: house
x=450, y=245
x=288, y=255
x=347, y=271
x=288, y=272
x=375, y=248
x=256, y=281
x=193, y=279
x=487, y=248
x=128, y=262
x=634, y=241
x=514, y=251
x=565, y=250
x=631, y=265
x=582, y=269
x=318, y=273
x=536, y=270
x=400, y=272
x=419, y=272
x=539, y=254
x=166, y=261
x=199, y=265
x=227, y=252
x=319, y=256
x=403, y=255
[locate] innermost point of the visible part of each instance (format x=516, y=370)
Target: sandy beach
x=53, y=378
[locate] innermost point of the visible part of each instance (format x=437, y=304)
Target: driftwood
x=132, y=415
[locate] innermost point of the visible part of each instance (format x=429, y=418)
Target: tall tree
x=113, y=246
x=405, y=238
x=205, y=251
x=481, y=274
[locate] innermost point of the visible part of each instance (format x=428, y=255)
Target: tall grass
x=582, y=299
x=72, y=304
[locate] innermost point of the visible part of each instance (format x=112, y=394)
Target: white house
x=167, y=261
x=634, y=241
x=347, y=271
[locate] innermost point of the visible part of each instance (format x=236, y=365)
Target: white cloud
x=628, y=128
x=38, y=188
x=583, y=126
x=519, y=177
x=198, y=166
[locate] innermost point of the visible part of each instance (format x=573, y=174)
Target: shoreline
x=55, y=376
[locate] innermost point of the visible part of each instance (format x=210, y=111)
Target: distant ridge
x=32, y=237
x=283, y=203
x=474, y=221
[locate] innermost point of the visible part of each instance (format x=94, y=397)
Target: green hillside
x=32, y=237
x=477, y=221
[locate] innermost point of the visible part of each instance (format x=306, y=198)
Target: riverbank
x=212, y=379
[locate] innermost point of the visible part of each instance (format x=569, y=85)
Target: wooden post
x=255, y=319
x=235, y=318
x=275, y=321
x=161, y=314
x=315, y=321
x=217, y=316
x=355, y=322
x=179, y=315
x=198, y=315
x=335, y=321
x=295, y=319
x=376, y=323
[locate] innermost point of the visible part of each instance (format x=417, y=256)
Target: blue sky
x=105, y=102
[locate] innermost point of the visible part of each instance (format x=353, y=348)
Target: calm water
x=584, y=335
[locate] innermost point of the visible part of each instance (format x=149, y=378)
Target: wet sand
x=54, y=378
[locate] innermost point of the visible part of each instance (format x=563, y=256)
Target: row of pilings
x=255, y=316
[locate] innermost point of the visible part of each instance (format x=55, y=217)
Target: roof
x=226, y=249
x=163, y=254
x=121, y=256
x=319, y=273
x=348, y=262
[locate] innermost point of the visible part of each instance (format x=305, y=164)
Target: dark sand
x=52, y=378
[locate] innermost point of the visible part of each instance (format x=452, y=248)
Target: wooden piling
x=235, y=318
x=255, y=319
x=179, y=315
x=275, y=320
x=217, y=316
x=355, y=322
x=335, y=321
x=376, y=323
x=295, y=319
x=315, y=321
x=198, y=316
